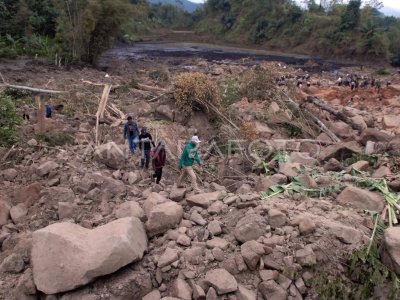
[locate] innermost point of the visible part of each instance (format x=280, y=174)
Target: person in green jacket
x=189, y=156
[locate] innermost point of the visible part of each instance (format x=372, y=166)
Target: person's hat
x=195, y=139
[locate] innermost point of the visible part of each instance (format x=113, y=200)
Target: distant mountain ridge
x=389, y=11
x=184, y=4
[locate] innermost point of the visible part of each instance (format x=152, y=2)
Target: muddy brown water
x=156, y=51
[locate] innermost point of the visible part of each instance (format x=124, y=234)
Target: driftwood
x=337, y=114
x=151, y=88
x=316, y=121
x=34, y=90
x=101, y=109
x=27, y=88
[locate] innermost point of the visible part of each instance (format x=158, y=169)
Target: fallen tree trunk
x=316, y=121
x=337, y=114
x=34, y=90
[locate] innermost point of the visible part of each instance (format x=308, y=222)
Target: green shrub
x=383, y=72
x=9, y=120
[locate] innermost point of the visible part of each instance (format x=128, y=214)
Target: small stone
x=184, y=240
x=32, y=142
x=271, y=290
x=218, y=254
x=154, y=295
x=252, y=252
x=181, y=289
x=306, y=257
x=198, y=292
x=269, y=275
x=169, y=256
x=65, y=210
x=13, y=263
x=222, y=281
x=306, y=226
x=277, y=219
x=18, y=213
x=217, y=242
x=215, y=208
x=212, y=294
x=300, y=285
x=198, y=219
x=215, y=228
x=245, y=294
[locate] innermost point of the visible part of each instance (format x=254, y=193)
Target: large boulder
x=111, y=155
x=250, y=227
x=162, y=217
x=361, y=199
x=390, y=251
x=66, y=256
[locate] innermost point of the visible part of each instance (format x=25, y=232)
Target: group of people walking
x=157, y=154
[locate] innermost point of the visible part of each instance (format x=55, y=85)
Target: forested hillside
x=330, y=28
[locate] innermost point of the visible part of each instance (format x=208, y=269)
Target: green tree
x=351, y=17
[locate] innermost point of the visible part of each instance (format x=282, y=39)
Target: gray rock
x=277, y=218
x=250, y=227
x=66, y=210
x=45, y=168
x=4, y=213
x=18, y=213
x=13, y=263
x=181, y=289
x=130, y=209
x=168, y=257
x=306, y=226
x=214, y=227
x=306, y=257
x=222, y=281
x=10, y=174
x=271, y=290
x=217, y=242
x=204, y=200
x=361, y=199
x=111, y=155
x=154, y=295
x=390, y=251
x=59, y=250
x=252, y=252
x=177, y=194
x=245, y=294
x=162, y=217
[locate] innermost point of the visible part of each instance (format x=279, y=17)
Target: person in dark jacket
x=131, y=133
x=49, y=111
x=158, y=159
x=145, y=142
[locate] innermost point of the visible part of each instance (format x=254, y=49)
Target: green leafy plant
x=9, y=120
x=297, y=187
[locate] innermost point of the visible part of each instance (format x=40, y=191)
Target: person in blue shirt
x=49, y=111
x=131, y=132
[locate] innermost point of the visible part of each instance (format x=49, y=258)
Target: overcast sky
x=388, y=3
